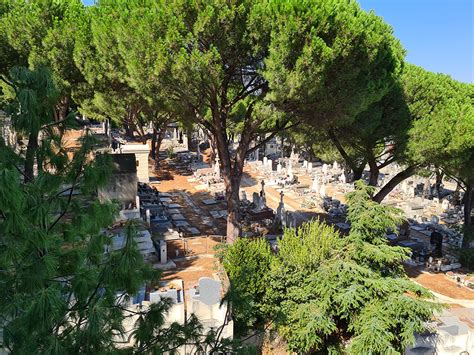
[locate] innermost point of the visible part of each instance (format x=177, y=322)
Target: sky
x=437, y=34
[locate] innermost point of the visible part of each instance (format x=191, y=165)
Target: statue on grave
x=280, y=214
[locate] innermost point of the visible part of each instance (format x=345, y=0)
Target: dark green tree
x=63, y=290
x=247, y=263
x=328, y=292
x=42, y=33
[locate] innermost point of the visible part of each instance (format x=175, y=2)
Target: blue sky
x=437, y=34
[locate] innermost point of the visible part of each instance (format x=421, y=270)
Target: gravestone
x=279, y=168
x=305, y=164
x=335, y=166
x=137, y=202
x=343, y=178
x=325, y=169
x=243, y=196
x=270, y=164
x=280, y=214
x=445, y=205
x=315, y=186
x=290, y=171
x=163, y=252
x=256, y=199
x=148, y=217
x=265, y=161
x=322, y=191
x=310, y=167
x=405, y=187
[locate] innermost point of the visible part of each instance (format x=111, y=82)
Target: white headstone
x=411, y=191
x=163, y=252
x=343, y=178
x=335, y=165
x=265, y=160
x=315, y=186
x=305, y=164
x=445, y=205
x=270, y=164
x=405, y=187
x=137, y=202
x=290, y=170
x=322, y=191
x=325, y=169
x=310, y=167
x=148, y=217
x=279, y=168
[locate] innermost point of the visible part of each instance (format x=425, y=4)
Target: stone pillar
x=137, y=202
x=148, y=217
x=163, y=252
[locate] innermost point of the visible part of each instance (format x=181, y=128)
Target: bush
x=466, y=258
x=247, y=263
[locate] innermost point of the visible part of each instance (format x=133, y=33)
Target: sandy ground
x=440, y=283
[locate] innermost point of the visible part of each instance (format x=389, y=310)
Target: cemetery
x=236, y=177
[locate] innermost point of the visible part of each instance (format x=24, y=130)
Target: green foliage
x=466, y=258
x=328, y=60
x=47, y=38
x=443, y=121
x=247, y=263
x=326, y=291
x=63, y=290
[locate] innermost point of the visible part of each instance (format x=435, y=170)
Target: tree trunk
x=159, y=140
x=31, y=149
x=468, y=197
x=233, y=212
x=389, y=186
x=153, y=143
x=61, y=109
x=358, y=171
x=374, y=172
x=355, y=168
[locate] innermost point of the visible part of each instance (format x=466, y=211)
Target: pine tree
x=60, y=292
